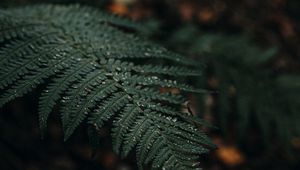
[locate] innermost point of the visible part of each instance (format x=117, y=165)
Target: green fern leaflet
x=92, y=66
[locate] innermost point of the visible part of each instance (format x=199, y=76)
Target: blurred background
x=250, y=54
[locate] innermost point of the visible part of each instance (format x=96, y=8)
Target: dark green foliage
x=91, y=65
x=247, y=87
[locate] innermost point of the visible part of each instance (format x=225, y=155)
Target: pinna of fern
x=91, y=65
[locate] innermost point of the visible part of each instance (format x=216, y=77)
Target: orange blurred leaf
x=118, y=8
x=229, y=154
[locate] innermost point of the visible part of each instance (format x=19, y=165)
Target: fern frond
x=109, y=108
x=167, y=70
x=52, y=94
x=145, y=145
x=91, y=66
x=12, y=67
x=152, y=94
x=123, y=124
x=156, y=81
x=78, y=112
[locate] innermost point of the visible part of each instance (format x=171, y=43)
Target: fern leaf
x=30, y=81
x=123, y=124
x=141, y=125
x=17, y=68
x=77, y=90
x=152, y=94
x=167, y=70
x=155, y=81
x=91, y=67
x=76, y=114
x=52, y=94
x=109, y=108
x=145, y=145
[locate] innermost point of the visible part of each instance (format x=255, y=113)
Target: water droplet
x=116, y=79
x=108, y=74
x=66, y=98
